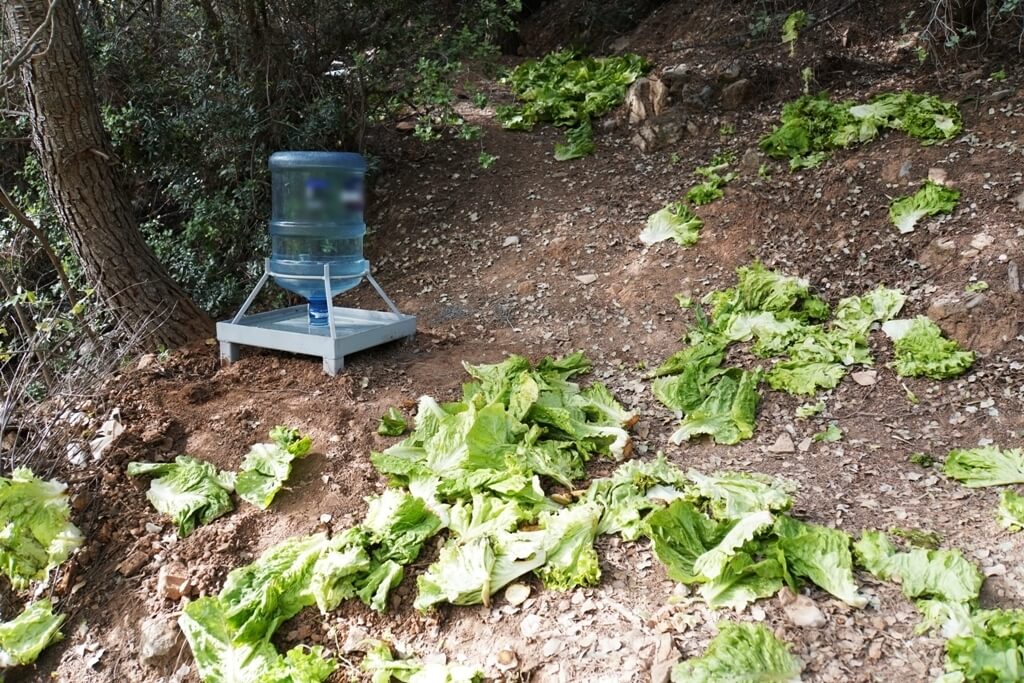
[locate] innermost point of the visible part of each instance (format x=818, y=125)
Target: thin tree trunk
x=89, y=197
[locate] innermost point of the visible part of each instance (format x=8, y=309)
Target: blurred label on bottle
x=316, y=193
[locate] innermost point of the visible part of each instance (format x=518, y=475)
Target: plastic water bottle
x=316, y=219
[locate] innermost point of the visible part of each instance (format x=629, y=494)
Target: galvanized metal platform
x=347, y=331
x=288, y=329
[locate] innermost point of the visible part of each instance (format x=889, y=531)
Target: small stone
x=145, y=360
x=160, y=640
x=511, y=241
x=1018, y=199
x=865, y=378
x=552, y=647
x=587, y=279
x=607, y=645
x=1013, y=276
x=804, y=613
x=995, y=570
x=530, y=625
x=982, y=240
x=937, y=175
x=646, y=98
x=525, y=288
x=735, y=95
x=517, y=593
x=804, y=445
x=172, y=581
x=133, y=563
x=506, y=660
x=325, y=518
x=355, y=640
x=783, y=444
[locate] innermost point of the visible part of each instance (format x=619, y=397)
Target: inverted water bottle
x=317, y=220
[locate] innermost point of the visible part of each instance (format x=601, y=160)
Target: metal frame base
x=348, y=330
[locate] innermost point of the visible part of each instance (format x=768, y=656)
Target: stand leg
x=330, y=301
x=333, y=365
x=228, y=352
x=387, y=300
x=253, y=293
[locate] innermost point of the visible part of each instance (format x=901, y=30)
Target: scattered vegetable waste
x=37, y=532
x=930, y=200
x=813, y=126
x=741, y=652
x=569, y=90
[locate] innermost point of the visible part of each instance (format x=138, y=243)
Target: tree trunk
x=91, y=200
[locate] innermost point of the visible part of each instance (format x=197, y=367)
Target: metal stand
x=287, y=329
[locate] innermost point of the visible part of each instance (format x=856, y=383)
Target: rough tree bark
x=90, y=198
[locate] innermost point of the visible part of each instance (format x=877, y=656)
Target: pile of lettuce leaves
x=729, y=534
x=569, y=90
x=785, y=320
x=474, y=467
x=813, y=126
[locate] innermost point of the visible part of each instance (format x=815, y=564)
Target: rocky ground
x=538, y=257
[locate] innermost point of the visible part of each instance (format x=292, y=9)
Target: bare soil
x=440, y=228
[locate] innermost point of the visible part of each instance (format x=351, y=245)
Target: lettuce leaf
x=747, y=577
x=985, y=466
x=930, y=576
x=29, y=633
x=741, y=652
x=1010, y=512
x=374, y=587
x=687, y=390
x=222, y=657
x=713, y=561
x=929, y=200
x=300, y=664
x=37, y=533
x=675, y=221
x=392, y=423
x=821, y=555
x=397, y=525
x=568, y=90
x=990, y=650
x=189, y=491
x=569, y=547
x=732, y=495
x=579, y=142
x=469, y=573
x=260, y=596
x=267, y=466
x=680, y=534
x=812, y=126
x=634, y=489
x=340, y=565
x=381, y=664
x=759, y=289
x=922, y=351
x=856, y=314
x=727, y=414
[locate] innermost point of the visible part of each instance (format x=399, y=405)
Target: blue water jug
x=316, y=219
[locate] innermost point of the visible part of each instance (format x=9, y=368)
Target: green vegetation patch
x=813, y=126
x=569, y=90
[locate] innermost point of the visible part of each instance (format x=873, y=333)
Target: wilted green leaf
x=189, y=491
x=741, y=653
